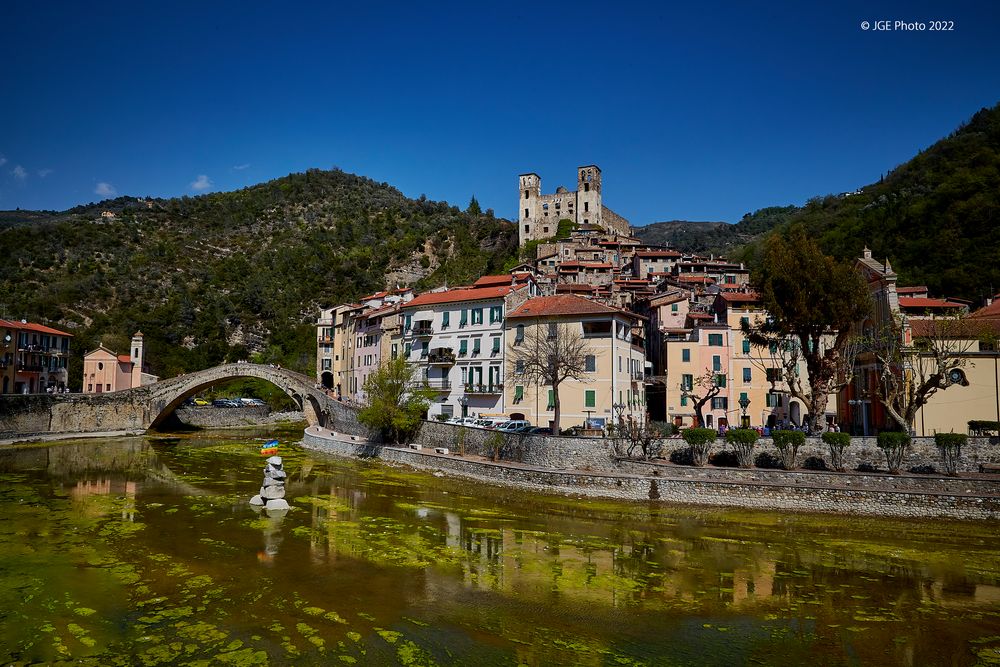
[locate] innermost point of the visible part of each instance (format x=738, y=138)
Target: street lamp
x=864, y=413
x=745, y=418
x=464, y=401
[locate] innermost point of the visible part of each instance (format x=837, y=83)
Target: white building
x=456, y=337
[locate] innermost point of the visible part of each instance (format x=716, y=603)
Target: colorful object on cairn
x=270, y=448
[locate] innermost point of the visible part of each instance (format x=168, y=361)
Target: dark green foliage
x=814, y=463
x=220, y=276
x=715, y=237
x=980, y=427
x=724, y=459
x=950, y=446
x=743, y=441
x=894, y=445
x=837, y=442
x=787, y=443
x=700, y=441
x=767, y=460
x=393, y=411
x=564, y=229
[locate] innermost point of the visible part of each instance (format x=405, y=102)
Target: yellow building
x=614, y=361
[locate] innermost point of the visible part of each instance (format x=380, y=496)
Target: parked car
x=256, y=402
x=540, y=430
x=514, y=426
x=225, y=403
x=201, y=401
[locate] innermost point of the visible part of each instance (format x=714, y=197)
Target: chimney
x=866, y=253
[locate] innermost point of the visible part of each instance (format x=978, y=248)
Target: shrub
x=441, y=418
x=495, y=445
x=787, y=444
x=950, y=446
x=767, y=460
x=923, y=470
x=865, y=466
x=724, y=459
x=894, y=445
x=682, y=457
x=743, y=441
x=837, y=443
x=700, y=441
x=814, y=463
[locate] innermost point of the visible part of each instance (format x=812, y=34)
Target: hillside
x=225, y=275
x=936, y=217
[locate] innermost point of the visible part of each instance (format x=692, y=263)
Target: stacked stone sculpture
x=272, y=493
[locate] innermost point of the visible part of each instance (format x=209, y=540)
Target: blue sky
x=703, y=111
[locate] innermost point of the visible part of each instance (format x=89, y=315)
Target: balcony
x=28, y=368
x=441, y=358
x=422, y=329
x=437, y=384
x=475, y=388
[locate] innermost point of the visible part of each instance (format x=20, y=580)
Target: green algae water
x=144, y=551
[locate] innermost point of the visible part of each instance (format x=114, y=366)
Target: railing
x=423, y=330
x=432, y=384
x=441, y=358
x=29, y=368
x=475, y=388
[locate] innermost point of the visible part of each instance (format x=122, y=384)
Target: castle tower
x=137, y=358
x=529, y=201
x=588, y=195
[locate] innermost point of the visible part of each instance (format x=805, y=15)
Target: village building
x=106, y=371
x=35, y=358
x=539, y=215
x=615, y=362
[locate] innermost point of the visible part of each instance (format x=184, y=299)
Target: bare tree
x=704, y=388
x=631, y=434
x=909, y=374
x=550, y=354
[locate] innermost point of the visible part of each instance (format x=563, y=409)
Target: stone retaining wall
x=769, y=490
x=212, y=417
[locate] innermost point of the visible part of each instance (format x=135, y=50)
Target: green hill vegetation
x=229, y=275
x=936, y=217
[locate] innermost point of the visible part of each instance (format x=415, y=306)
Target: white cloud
x=42, y=173
x=239, y=167
x=105, y=190
x=3, y=160
x=203, y=182
x=20, y=173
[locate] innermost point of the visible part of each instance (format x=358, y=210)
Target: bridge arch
x=165, y=396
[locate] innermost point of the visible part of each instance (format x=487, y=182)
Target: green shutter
x=552, y=400
x=518, y=393
x=464, y=319
x=720, y=380
x=684, y=401
x=746, y=346
x=496, y=345
x=591, y=398
x=685, y=354
x=445, y=319
x=463, y=346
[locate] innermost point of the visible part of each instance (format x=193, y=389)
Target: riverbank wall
x=212, y=417
x=808, y=491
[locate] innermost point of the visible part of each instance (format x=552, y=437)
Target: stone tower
x=530, y=194
x=137, y=359
x=588, y=195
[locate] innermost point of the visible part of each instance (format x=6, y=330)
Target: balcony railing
x=443, y=358
x=28, y=368
x=476, y=388
x=436, y=384
x=423, y=330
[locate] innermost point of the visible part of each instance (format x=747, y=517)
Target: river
x=145, y=551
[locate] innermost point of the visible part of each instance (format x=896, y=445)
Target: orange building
x=105, y=371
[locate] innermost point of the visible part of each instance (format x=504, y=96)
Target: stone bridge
x=146, y=407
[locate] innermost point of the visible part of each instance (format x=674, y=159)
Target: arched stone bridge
x=145, y=407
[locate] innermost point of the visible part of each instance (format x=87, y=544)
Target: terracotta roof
x=31, y=326
x=701, y=316
x=950, y=328
x=990, y=311
x=657, y=253
x=488, y=281
x=381, y=311
x=563, y=304
x=740, y=297
x=921, y=302
x=911, y=290
x=688, y=278
x=124, y=359
x=460, y=294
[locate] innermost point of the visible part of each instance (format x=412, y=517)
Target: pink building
x=105, y=371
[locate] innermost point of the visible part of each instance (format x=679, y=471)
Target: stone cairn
x=272, y=493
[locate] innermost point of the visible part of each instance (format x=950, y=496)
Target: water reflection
x=382, y=566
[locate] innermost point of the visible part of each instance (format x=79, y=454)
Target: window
x=687, y=381
x=773, y=374
x=685, y=354
x=591, y=363
x=597, y=329
x=590, y=399
x=772, y=400
x=545, y=230
x=463, y=320
x=552, y=400
x=496, y=345
x=408, y=323
x=327, y=364
x=673, y=308
x=720, y=380
x=716, y=363
x=445, y=319
x=684, y=401
x=744, y=321
x=586, y=207
x=407, y=349
x=496, y=314
x=586, y=187
x=519, y=367
x=747, y=377
x=463, y=347
x=746, y=346
x=743, y=397
x=395, y=350
x=476, y=346
x=715, y=340
x=477, y=315
x=527, y=194
x=526, y=215
x=526, y=229
x=519, y=334
x=518, y=393
x=720, y=403
x=107, y=387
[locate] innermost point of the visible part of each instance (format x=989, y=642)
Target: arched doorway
x=326, y=379
x=795, y=413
